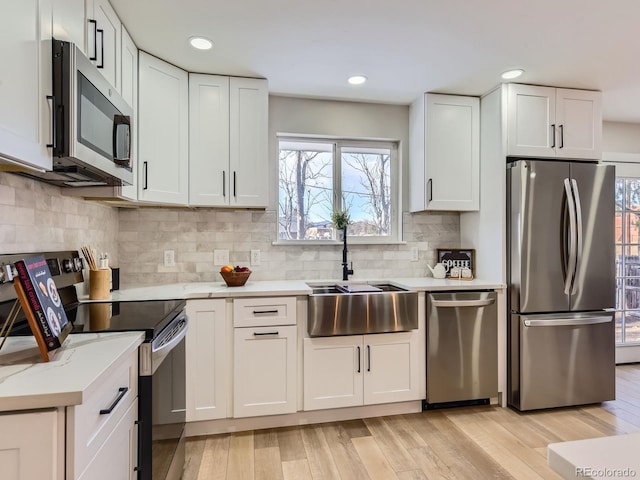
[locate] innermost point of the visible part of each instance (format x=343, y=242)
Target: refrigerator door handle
x=571, y=267
x=576, y=196
x=574, y=322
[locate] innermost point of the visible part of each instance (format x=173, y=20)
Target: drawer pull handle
x=262, y=334
x=263, y=312
x=122, y=392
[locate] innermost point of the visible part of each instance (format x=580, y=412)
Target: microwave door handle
x=101, y=32
x=125, y=159
x=94, y=57
x=579, y=241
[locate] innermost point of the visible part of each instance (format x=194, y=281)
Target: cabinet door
x=248, y=117
x=103, y=39
x=264, y=381
x=209, y=177
x=25, y=82
x=531, y=123
x=29, y=445
x=118, y=456
x=333, y=369
x=69, y=17
x=579, y=124
x=129, y=91
x=163, y=125
x=207, y=363
x=452, y=153
x=391, y=367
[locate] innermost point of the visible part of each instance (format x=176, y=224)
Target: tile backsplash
x=36, y=217
x=194, y=234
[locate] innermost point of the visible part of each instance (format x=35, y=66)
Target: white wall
x=621, y=137
x=337, y=119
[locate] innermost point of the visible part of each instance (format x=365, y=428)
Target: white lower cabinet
x=117, y=458
x=31, y=449
x=361, y=370
x=100, y=432
x=264, y=370
x=206, y=360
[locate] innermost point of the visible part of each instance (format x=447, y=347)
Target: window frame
x=627, y=166
x=394, y=147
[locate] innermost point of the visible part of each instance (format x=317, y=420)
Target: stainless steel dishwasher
x=462, y=347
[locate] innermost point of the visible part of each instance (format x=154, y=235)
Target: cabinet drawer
x=87, y=428
x=264, y=312
x=117, y=458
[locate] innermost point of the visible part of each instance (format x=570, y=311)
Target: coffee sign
x=457, y=261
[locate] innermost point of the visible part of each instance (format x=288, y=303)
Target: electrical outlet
x=169, y=258
x=255, y=257
x=221, y=257
x=414, y=254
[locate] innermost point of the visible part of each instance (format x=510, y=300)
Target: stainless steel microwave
x=91, y=124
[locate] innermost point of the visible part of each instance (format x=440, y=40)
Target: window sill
x=350, y=241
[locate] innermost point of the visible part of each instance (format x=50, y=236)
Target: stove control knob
x=67, y=265
x=77, y=264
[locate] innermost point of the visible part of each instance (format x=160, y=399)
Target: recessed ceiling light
x=201, y=43
x=357, y=79
x=511, y=74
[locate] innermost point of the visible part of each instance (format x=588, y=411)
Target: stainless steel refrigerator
x=561, y=276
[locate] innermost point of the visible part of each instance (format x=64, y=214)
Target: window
x=318, y=177
x=627, y=260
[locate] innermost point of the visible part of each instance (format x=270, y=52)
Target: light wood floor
x=456, y=443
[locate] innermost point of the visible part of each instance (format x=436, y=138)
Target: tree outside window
x=318, y=177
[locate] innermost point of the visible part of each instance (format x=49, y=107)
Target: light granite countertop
x=604, y=457
x=270, y=288
x=26, y=382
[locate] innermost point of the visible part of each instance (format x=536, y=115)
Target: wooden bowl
x=235, y=279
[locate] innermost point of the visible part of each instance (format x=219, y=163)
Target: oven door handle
x=174, y=341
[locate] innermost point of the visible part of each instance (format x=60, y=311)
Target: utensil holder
x=99, y=284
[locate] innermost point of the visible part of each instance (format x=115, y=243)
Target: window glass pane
x=619, y=226
x=620, y=193
x=632, y=293
x=305, y=191
x=633, y=194
x=366, y=190
x=619, y=328
x=632, y=327
x=632, y=227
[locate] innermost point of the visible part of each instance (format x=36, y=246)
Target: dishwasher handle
x=567, y=322
x=463, y=303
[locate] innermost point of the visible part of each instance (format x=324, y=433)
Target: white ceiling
x=308, y=48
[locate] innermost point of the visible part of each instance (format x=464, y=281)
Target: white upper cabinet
x=163, y=132
x=69, y=22
x=129, y=91
x=553, y=122
x=209, y=140
x=228, y=141
x=103, y=39
x=25, y=83
x=248, y=150
x=444, y=157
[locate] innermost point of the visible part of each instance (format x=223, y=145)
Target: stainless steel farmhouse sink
x=360, y=309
